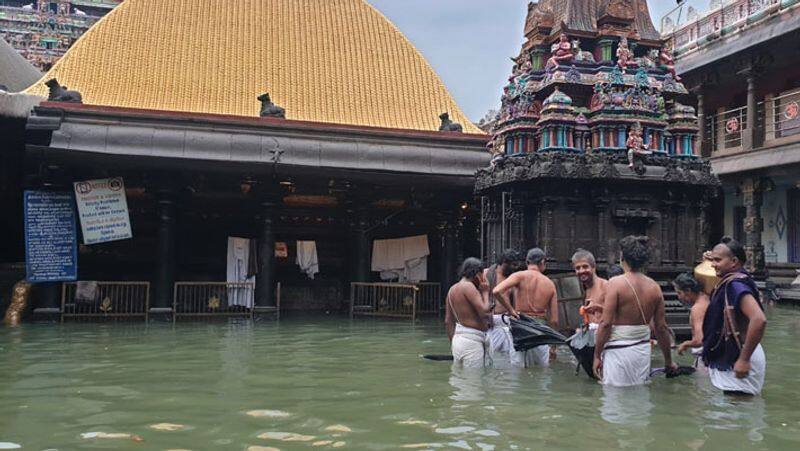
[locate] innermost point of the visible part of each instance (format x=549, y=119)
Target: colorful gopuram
x=43, y=30
x=594, y=140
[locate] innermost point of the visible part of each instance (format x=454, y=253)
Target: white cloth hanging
x=307, y=258
x=238, y=259
x=405, y=259
x=86, y=291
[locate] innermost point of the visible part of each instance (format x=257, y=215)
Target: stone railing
x=690, y=29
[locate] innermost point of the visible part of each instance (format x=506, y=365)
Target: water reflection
x=468, y=384
x=303, y=376
x=737, y=413
x=626, y=406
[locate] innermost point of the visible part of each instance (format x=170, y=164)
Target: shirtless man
x=585, y=266
x=467, y=315
x=501, y=343
x=536, y=297
x=690, y=292
x=633, y=300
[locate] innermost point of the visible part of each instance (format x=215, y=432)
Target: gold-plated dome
x=335, y=61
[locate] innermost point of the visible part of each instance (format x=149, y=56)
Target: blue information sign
x=51, y=239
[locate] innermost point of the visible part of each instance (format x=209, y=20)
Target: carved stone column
x=703, y=229
x=683, y=245
x=548, y=231
x=701, y=123
x=753, y=197
x=601, y=205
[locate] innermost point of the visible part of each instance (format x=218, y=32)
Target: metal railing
x=725, y=129
x=210, y=299
x=783, y=115
x=693, y=20
x=429, y=298
x=105, y=300
x=384, y=300
x=218, y=299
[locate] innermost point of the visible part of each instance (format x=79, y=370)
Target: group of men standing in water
x=624, y=312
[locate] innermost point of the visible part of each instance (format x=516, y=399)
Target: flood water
x=330, y=382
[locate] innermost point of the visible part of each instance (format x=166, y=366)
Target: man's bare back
x=535, y=295
x=620, y=297
x=466, y=306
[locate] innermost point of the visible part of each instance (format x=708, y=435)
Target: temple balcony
x=775, y=139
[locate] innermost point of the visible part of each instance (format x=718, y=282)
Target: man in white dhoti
x=467, y=316
x=690, y=292
x=501, y=343
x=734, y=325
x=535, y=297
x=632, y=301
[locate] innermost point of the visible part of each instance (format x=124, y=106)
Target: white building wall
x=776, y=225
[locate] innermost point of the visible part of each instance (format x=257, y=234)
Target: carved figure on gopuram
x=590, y=115
x=624, y=54
x=635, y=144
x=561, y=52
x=667, y=59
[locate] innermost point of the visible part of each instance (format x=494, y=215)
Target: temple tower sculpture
x=594, y=141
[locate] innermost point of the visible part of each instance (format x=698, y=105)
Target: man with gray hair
x=535, y=297
x=585, y=267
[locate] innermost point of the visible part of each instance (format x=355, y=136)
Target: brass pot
x=706, y=274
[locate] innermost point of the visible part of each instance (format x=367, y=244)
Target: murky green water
x=59, y=382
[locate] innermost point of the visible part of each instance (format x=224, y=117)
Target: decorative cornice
x=661, y=169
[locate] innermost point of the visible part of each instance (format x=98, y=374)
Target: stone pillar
x=164, y=280
x=361, y=247
x=749, y=138
x=604, y=251
x=265, y=280
x=548, y=235
x=703, y=229
x=701, y=123
x=753, y=196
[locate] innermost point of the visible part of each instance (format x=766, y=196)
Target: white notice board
x=103, y=210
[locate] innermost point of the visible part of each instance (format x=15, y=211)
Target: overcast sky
x=469, y=42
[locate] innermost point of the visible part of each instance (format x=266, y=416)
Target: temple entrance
x=793, y=206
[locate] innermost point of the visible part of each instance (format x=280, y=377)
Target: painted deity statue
x=562, y=52
x=624, y=54
x=667, y=60
x=635, y=145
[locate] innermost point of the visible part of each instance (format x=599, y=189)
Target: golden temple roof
x=334, y=61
